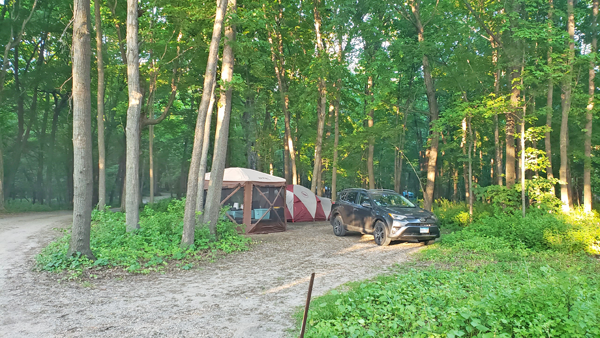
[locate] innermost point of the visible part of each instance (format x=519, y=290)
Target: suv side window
x=351, y=197
x=364, y=198
x=342, y=196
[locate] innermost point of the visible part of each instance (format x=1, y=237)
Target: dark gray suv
x=385, y=214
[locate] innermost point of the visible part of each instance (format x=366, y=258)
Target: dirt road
x=250, y=294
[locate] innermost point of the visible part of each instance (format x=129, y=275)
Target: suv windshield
x=390, y=199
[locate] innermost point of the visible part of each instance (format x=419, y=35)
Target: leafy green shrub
x=494, y=300
x=541, y=229
x=160, y=205
x=449, y=214
x=455, y=215
x=16, y=206
x=539, y=190
x=501, y=276
x=500, y=197
x=582, y=233
x=149, y=248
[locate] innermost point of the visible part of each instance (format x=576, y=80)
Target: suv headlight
x=434, y=218
x=397, y=217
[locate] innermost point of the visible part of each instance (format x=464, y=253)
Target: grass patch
x=20, y=206
x=501, y=276
x=153, y=247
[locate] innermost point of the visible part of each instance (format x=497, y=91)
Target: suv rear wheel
x=381, y=235
x=338, y=226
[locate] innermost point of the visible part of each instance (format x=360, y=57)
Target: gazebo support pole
x=248, y=187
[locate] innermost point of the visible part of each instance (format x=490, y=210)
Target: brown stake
x=310, y=286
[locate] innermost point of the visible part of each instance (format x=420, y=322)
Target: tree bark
x=189, y=219
x=204, y=158
x=132, y=167
x=119, y=34
x=523, y=168
x=510, y=127
x=370, y=123
x=39, y=194
x=2, y=208
x=566, y=107
x=336, y=140
x=58, y=107
x=321, y=105
x=549, y=109
x=433, y=111
x=497, y=148
x=470, y=181
x=587, y=185
x=82, y=131
x=277, y=57
x=213, y=197
x=463, y=145
x=100, y=116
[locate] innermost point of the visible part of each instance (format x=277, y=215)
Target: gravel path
x=250, y=294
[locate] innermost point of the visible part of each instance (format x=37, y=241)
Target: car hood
x=409, y=212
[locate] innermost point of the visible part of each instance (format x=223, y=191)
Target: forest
x=481, y=110
x=447, y=99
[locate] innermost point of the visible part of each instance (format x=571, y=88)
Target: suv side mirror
x=366, y=204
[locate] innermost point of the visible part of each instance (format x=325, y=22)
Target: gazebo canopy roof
x=247, y=175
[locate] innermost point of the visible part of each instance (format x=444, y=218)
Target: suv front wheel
x=338, y=226
x=381, y=235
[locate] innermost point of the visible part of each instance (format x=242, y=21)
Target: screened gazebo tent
x=255, y=199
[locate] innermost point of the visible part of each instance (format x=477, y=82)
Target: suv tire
x=381, y=235
x=429, y=242
x=338, y=226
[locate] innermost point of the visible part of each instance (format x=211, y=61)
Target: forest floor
x=249, y=294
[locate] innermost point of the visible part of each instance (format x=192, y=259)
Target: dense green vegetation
x=20, y=206
x=500, y=276
x=373, y=69
x=153, y=247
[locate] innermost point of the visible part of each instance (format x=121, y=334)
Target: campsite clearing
x=250, y=294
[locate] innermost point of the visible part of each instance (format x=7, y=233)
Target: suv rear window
x=350, y=197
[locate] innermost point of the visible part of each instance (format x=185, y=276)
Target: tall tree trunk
x=497, y=148
x=523, y=168
x=82, y=132
x=463, y=145
x=42, y=152
x=100, y=116
x=132, y=168
x=321, y=105
x=510, y=127
x=587, y=186
x=204, y=158
x=213, y=197
x=189, y=218
x=119, y=33
x=399, y=158
x=433, y=112
x=549, y=109
x=566, y=107
x=2, y=208
x=370, y=123
x=336, y=139
x=470, y=180
x=58, y=107
x=277, y=57
x=249, y=128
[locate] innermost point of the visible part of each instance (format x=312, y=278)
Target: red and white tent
x=304, y=206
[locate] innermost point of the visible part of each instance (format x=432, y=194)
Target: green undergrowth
x=500, y=276
x=153, y=247
x=20, y=206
